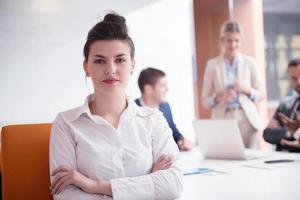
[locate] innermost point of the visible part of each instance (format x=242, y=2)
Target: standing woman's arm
x=208, y=90
x=257, y=92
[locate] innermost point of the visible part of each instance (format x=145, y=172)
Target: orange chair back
x=25, y=162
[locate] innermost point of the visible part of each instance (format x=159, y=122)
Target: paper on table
x=202, y=170
x=196, y=170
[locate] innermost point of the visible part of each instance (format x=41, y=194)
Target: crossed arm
x=65, y=176
x=67, y=182
x=278, y=132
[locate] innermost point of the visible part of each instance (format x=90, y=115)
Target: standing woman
x=109, y=147
x=232, y=86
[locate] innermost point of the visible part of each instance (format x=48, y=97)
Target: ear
x=148, y=89
x=85, y=68
x=132, y=66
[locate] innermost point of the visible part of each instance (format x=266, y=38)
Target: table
x=241, y=180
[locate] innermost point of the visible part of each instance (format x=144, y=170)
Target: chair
x=25, y=162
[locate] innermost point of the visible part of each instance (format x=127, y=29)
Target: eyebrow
x=100, y=56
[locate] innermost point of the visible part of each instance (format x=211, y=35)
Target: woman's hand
x=64, y=176
x=163, y=162
x=240, y=88
x=225, y=96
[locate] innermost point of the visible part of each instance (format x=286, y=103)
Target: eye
x=99, y=61
x=120, y=60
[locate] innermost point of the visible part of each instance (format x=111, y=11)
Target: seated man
x=153, y=86
x=284, y=128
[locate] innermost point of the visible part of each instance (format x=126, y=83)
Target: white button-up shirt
x=125, y=156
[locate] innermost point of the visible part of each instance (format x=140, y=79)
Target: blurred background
x=41, y=47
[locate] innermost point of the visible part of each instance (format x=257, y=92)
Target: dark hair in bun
x=114, y=18
x=113, y=27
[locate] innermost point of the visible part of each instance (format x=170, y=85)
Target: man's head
x=153, y=84
x=294, y=74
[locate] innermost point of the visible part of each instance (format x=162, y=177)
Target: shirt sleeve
x=73, y=192
x=62, y=151
x=169, y=117
x=211, y=101
x=208, y=90
x=274, y=135
x=257, y=93
x=253, y=95
x=163, y=184
x=297, y=134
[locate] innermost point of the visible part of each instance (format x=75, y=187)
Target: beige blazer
x=215, y=82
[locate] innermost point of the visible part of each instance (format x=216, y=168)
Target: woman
x=109, y=147
x=232, y=87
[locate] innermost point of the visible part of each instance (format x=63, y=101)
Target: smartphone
x=278, y=161
x=230, y=87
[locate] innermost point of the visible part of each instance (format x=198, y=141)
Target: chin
x=231, y=53
x=234, y=52
x=110, y=91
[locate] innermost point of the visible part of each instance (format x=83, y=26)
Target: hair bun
x=115, y=18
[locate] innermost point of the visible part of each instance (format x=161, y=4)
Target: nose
x=110, y=69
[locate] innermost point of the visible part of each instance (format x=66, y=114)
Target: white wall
x=41, y=54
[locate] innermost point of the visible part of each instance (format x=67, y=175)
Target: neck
x=112, y=105
x=229, y=57
x=150, y=102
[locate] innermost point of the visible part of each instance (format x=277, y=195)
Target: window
x=282, y=43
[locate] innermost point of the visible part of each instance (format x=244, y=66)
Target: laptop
x=221, y=139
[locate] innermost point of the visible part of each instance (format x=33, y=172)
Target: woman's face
x=109, y=65
x=231, y=43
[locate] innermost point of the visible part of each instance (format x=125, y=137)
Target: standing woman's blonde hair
x=230, y=27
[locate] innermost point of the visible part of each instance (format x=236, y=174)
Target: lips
x=110, y=81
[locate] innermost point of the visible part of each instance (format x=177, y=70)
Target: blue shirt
x=231, y=70
x=231, y=74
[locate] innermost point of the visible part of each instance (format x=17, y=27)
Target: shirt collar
x=236, y=59
x=84, y=109
x=131, y=109
x=128, y=113
x=143, y=104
